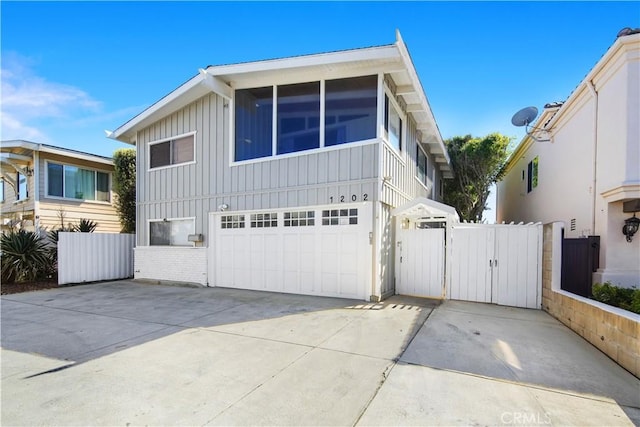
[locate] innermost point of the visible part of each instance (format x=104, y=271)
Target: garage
x=318, y=250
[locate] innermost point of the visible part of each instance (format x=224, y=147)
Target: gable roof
x=393, y=59
x=555, y=111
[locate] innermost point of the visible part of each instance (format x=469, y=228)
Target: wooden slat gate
x=500, y=264
x=580, y=259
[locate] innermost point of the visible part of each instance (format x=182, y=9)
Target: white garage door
x=322, y=250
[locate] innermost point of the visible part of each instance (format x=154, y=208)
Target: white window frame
x=26, y=180
x=426, y=170
x=190, y=245
x=403, y=118
x=274, y=129
x=2, y=188
x=63, y=164
x=169, y=139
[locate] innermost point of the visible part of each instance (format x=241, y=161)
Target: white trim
x=43, y=148
x=403, y=124
x=274, y=122
x=305, y=152
x=149, y=221
x=169, y=139
x=73, y=199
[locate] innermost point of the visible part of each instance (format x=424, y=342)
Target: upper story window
x=349, y=115
x=23, y=187
x=169, y=152
x=72, y=182
x=392, y=123
x=532, y=175
x=422, y=165
x=1, y=190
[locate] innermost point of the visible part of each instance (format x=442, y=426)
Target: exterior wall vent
x=573, y=224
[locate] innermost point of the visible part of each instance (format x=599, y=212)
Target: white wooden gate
x=500, y=264
x=420, y=261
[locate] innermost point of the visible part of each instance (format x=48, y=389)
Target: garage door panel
x=332, y=259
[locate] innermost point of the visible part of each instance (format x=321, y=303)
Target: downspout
x=594, y=92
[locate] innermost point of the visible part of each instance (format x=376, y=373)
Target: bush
x=625, y=298
x=25, y=257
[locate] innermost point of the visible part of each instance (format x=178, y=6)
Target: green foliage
x=124, y=185
x=85, y=226
x=477, y=164
x=625, y=298
x=25, y=256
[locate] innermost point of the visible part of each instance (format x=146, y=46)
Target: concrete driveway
x=126, y=353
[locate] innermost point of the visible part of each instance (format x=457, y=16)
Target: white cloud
x=28, y=98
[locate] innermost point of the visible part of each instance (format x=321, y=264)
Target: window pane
x=182, y=150
x=70, y=173
x=298, y=117
x=159, y=233
x=253, y=123
x=395, y=127
x=2, y=190
x=422, y=166
x=22, y=187
x=353, y=103
x=160, y=154
x=54, y=180
x=85, y=184
x=180, y=230
x=102, y=186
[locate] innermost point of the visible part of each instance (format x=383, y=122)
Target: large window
x=392, y=124
x=350, y=114
x=254, y=123
x=171, y=152
x=171, y=232
x=350, y=109
x=72, y=182
x=23, y=188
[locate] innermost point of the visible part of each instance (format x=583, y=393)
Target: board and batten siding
x=193, y=190
x=399, y=170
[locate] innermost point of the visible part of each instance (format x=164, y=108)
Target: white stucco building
x=590, y=164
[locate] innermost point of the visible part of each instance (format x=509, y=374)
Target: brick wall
x=174, y=264
x=613, y=331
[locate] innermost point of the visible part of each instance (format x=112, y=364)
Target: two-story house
x=43, y=187
x=580, y=165
x=282, y=174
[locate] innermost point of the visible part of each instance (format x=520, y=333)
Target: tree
x=124, y=185
x=477, y=164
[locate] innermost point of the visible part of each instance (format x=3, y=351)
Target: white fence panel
x=90, y=257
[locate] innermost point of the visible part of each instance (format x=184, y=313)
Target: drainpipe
x=594, y=92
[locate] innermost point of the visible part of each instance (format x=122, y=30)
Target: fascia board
x=415, y=80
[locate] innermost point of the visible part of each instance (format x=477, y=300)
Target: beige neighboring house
x=40, y=182
x=584, y=168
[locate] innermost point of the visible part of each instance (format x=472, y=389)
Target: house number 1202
x=354, y=198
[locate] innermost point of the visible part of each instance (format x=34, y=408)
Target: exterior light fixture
x=223, y=207
x=630, y=227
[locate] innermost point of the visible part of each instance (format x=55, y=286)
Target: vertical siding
x=195, y=189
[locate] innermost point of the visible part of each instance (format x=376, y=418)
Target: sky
x=70, y=70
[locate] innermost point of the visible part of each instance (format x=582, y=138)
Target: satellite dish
x=524, y=117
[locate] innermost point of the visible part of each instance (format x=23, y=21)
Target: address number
x=354, y=198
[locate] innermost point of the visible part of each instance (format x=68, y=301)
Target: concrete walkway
x=125, y=353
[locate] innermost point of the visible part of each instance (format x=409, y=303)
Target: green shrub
x=25, y=256
x=625, y=298
x=85, y=226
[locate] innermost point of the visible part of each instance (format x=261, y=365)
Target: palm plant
x=25, y=256
x=85, y=226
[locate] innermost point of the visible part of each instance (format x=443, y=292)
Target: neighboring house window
x=421, y=165
x=1, y=190
x=72, y=182
x=176, y=151
x=23, y=191
x=532, y=175
x=392, y=124
x=350, y=111
x=171, y=232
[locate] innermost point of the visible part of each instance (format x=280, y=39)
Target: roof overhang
x=20, y=150
x=422, y=207
x=391, y=59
